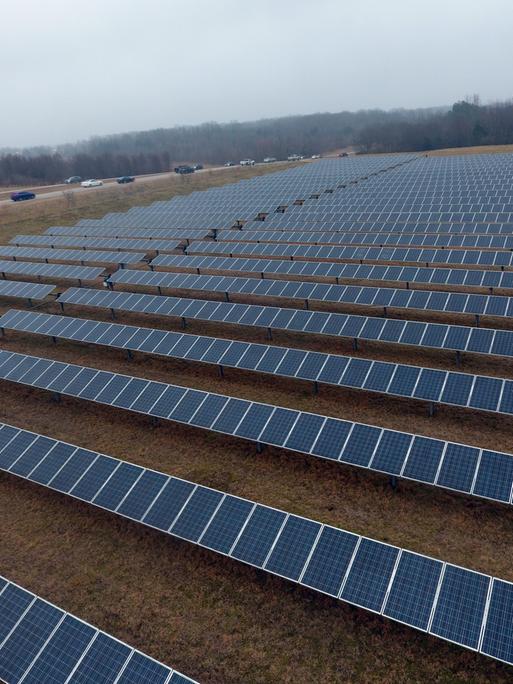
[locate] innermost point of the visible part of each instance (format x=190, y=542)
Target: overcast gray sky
x=70, y=70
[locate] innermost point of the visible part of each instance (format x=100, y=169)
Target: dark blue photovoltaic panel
x=294, y=544
x=370, y=573
x=47, y=469
x=102, y=662
x=23, y=644
x=258, y=536
x=457, y=388
x=94, y=478
x=168, y=504
x=279, y=426
x=143, y=670
x=361, y=444
x=497, y=641
x=391, y=452
x=13, y=602
x=254, y=421
x=73, y=470
x=494, y=476
x=61, y=653
x=332, y=438
x=226, y=524
x=118, y=486
x=142, y=494
x=330, y=560
x=423, y=459
x=196, y=513
x=460, y=607
x=413, y=589
x=305, y=432
x=458, y=467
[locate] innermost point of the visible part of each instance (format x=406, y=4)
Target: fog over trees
x=466, y=123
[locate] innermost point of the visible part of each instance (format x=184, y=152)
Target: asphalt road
x=51, y=191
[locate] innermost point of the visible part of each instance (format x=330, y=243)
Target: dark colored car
x=22, y=195
x=184, y=169
x=73, y=179
x=126, y=179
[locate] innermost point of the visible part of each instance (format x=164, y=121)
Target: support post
x=129, y=354
x=226, y=297
x=113, y=314
x=269, y=334
x=62, y=306
x=316, y=387
x=56, y=397
x=431, y=409
x=30, y=302
x=155, y=421
x=54, y=339
x=159, y=289
x=307, y=305
x=184, y=322
x=458, y=357
x=385, y=311
x=393, y=482
x=355, y=344
x=259, y=447
x=221, y=371
x=407, y=285
x=478, y=320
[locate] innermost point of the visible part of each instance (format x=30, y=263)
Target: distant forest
x=466, y=123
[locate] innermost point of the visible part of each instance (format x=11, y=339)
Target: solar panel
x=477, y=392
x=23, y=290
x=414, y=255
x=81, y=255
x=422, y=592
x=100, y=243
x=415, y=333
x=384, y=298
x=58, y=271
x=450, y=278
x=40, y=642
x=455, y=467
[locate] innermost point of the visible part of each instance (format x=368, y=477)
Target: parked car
x=343, y=154
x=294, y=157
x=91, y=183
x=197, y=167
x=126, y=179
x=73, y=179
x=247, y=162
x=316, y=156
x=22, y=195
x=268, y=160
x=184, y=168
x=229, y=163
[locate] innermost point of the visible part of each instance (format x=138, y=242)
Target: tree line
x=466, y=123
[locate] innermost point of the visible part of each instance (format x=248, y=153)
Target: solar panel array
x=81, y=255
x=462, y=468
x=464, y=390
x=410, y=275
x=143, y=244
x=466, y=257
x=57, y=271
x=465, y=607
x=305, y=222
x=425, y=300
x=393, y=331
x=41, y=643
x=23, y=290
x=381, y=239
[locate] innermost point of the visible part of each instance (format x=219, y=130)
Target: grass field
x=212, y=618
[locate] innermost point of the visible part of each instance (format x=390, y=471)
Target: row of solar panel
x=81, y=255
x=117, y=244
x=405, y=217
x=378, y=227
x=380, y=239
x=465, y=469
x=57, y=271
x=419, y=334
x=425, y=300
x=23, y=290
x=462, y=606
x=40, y=643
x=413, y=255
x=97, y=230
x=470, y=278
x=476, y=392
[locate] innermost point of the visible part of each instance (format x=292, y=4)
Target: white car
x=269, y=160
x=316, y=156
x=91, y=183
x=247, y=162
x=294, y=157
